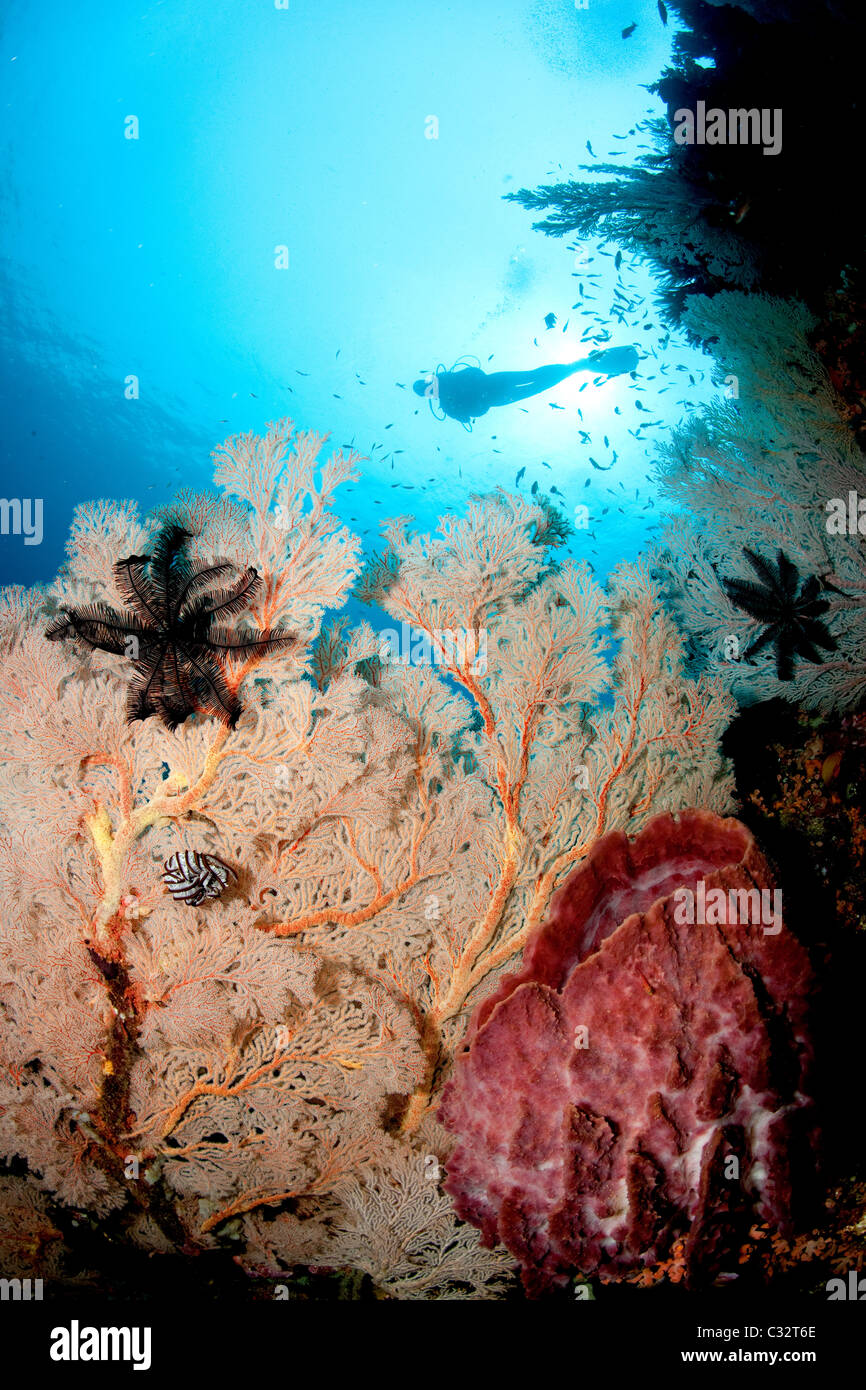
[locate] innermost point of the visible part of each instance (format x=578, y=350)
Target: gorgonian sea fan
x=383, y=835
x=643, y=1079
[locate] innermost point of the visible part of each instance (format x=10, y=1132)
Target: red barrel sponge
x=643, y=1079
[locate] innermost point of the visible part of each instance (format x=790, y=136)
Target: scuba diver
x=466, y=392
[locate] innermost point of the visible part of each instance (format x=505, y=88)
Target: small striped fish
x=191, y=877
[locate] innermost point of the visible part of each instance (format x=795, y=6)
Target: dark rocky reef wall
x=728, y=216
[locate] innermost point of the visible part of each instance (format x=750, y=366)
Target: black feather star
x=177, y=653
x=790, y=612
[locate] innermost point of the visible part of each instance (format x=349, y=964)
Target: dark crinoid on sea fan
x=789, y=612
x=170, y=634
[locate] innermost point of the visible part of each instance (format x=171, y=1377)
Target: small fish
x=554, y=488
x=337, y=354
x=401, y=384
x=617, y=260
x=591, y=150
x=599, y=466
x=534, y=489
x=549, y=320
x=606, y=442
x=565, y=325
x=300, y=373
x=490, y=358
x=663, y=13
x=391, y=426
x=627, y=33
x=254, y=396
x=544, y=465
x=588, y=481
x=554, y=406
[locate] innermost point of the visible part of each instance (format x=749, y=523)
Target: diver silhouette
x=466, y=392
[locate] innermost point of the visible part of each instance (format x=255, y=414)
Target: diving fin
x=614, y=361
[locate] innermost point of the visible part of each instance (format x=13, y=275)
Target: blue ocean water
x=157, y=157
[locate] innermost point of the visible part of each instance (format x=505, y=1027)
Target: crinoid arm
x=97, y=626
x=203, y=575
x=251, y=641
x=198, y=678
x=753, y=598
x=789, y=576
x=223, y=603
x=780, y=579
x=146, y=693
x=170, y=569
x=769, y=637
x=136, y=586
x=812, y=633
x=786, y=649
